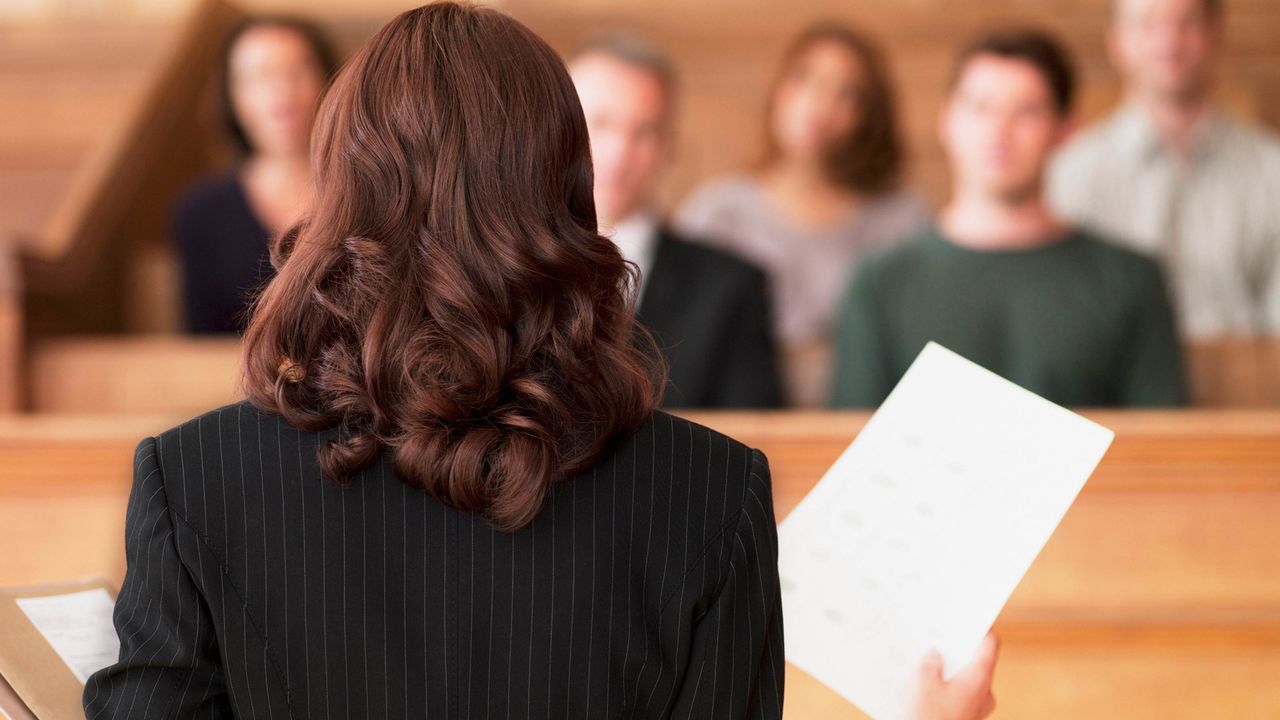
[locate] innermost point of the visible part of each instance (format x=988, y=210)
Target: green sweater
x=1080, y=321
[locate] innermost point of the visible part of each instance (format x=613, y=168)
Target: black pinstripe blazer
x=647, y=587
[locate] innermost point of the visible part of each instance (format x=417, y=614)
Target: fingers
x=988, y=650
x=974, y=681
x=930, y=670
x=983, y=666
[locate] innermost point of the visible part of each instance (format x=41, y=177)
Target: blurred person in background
x=273, y=71
x=1171, y=174
x=708, y=310
x=827, y=193
x=1001, y=280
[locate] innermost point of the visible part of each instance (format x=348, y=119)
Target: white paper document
x=78, y=627
x=919, y=533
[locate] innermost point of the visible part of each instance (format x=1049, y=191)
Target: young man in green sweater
x=1000, y=280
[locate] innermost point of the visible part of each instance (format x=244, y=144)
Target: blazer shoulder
x=719, y=465
x=707, y=435
x=709, y=261
x=221, y=429
x=1113, y=253
x=217, y=414
x=707, y=442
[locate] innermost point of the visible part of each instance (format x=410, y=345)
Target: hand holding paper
x=919, y=533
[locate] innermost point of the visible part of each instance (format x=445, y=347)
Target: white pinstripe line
x=533, y=608
x=306, y=589
x=186, y=512
x=551, y=634
x=511, y=626
x=662, y=587
x=488, y=682
x=324, y=590
x=613, y=560
x=284, y=561
x=573, y=587
x=471, y=622
x=244, y=608
x=386, y=618
x=675, y=687
x=346, y=646
x=591, y=615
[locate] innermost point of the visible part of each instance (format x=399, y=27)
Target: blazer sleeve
x=169, y=665
x=737, y=667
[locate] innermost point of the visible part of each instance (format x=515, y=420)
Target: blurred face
x=1164, y=48
x=275, y=82
x=818, y=102
x=999, y=127
x=626, y=111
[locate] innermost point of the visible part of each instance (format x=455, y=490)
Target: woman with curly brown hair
x=449, y=493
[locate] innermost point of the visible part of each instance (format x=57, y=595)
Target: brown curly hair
x=449, y=297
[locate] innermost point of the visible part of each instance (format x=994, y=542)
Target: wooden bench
x=1158, y=597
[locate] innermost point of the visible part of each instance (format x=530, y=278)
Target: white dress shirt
x=637, y=239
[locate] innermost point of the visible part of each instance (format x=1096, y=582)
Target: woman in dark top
x=273, y=71
x=449, y=493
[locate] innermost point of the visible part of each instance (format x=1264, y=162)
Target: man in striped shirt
x=1170, y=174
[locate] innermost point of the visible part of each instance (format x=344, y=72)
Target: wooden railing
x=1159, y=595
x=166, y=373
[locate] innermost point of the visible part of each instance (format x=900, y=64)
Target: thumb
x=980, y=669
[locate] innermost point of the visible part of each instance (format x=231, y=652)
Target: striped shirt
x=646, y=588
x=1212, y=217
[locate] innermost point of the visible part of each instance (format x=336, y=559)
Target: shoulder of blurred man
x=901, y=256
x=1103, y=142
x=1122, y=266
x=695, y=255
x=1257, y=147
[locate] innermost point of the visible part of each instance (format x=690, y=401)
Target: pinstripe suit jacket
x=646, y=588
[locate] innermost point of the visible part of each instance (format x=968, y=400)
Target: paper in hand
x=919, y=533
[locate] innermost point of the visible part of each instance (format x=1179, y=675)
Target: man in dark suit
x=708, y=309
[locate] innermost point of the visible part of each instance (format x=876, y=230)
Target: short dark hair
x=326, y=59
x=1036, y=47
x=634, y=50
